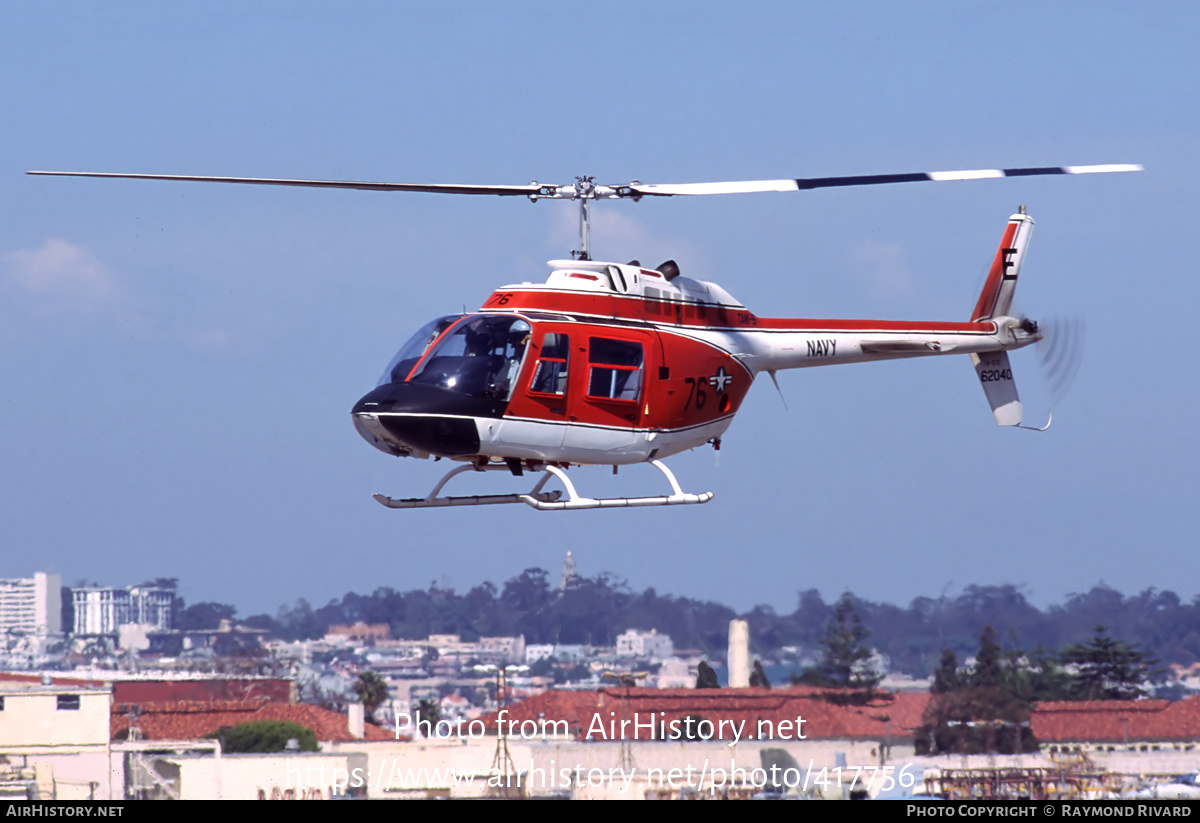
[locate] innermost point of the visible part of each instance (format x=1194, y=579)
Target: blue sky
x=180, y=360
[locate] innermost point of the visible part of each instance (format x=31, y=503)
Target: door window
x=550, y=375
x=614, y=369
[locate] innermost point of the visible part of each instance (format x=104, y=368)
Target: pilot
x=518, y=337
x=478, y=340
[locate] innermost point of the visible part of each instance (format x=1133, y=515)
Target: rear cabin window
x=550, y=376
x=614, y=369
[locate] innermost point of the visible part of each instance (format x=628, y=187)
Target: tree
x=946, y=678
x=989, y=670
x=257, y=736
x=979, y=711
x=528, y=591
x=1041, y=677
x=976, y=720
x=706, y=677
x=372, y=692
x=543, y=667
x=1107, y=669
x=428, y=712
x=843, y=663
x=758, y=677
x=300, y=622
x=202, y=616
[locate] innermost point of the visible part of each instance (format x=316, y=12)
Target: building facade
x=32, y=605
x=100, y=610
x=635, y=643
x=59, y=733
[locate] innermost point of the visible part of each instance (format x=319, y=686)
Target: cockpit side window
x=410, y=353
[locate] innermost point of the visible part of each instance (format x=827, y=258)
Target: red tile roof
x=888, y=714
x=1117, y=721
x=191, y=719
x=1101, y=721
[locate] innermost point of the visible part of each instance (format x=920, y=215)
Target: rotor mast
x=584, y=190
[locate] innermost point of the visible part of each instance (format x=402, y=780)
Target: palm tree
x=372, y=691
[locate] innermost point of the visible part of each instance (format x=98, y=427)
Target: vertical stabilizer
x=996, y=298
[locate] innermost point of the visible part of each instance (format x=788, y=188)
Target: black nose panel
x=449, y=436
x=429, y=418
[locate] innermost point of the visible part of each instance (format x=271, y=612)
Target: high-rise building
x=32, y=605
x=101, y=610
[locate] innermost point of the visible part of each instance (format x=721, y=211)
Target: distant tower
x=739, y=654
x=569, y=574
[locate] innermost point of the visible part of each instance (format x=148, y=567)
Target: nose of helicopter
x=402, y=418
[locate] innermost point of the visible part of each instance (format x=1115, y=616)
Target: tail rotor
x=1060, y=352
x=1059, y=340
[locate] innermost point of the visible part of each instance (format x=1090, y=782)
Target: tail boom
x=781, y=343
x=814, y=344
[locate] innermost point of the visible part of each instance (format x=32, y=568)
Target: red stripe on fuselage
x=693, y=315
x=804, y=324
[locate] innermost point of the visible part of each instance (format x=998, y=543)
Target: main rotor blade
x=800, y=184
x=440, y=188
x=585, y=191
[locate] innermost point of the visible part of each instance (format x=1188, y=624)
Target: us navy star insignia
x=720, y=380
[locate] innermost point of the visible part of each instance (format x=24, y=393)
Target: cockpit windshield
x=479, y=356
x=397, y=370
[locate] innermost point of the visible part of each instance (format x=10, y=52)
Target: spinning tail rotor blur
x=1060, y=353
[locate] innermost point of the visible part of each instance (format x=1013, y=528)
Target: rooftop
x=894, y=715
x=1117, y=721
x=192, y=719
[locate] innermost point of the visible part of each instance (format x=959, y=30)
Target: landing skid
x=545, y=501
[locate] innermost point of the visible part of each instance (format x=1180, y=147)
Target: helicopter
x=611, y=364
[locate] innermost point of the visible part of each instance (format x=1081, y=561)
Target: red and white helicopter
x=614, y=364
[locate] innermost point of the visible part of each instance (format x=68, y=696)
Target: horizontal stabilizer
x=996, y=377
